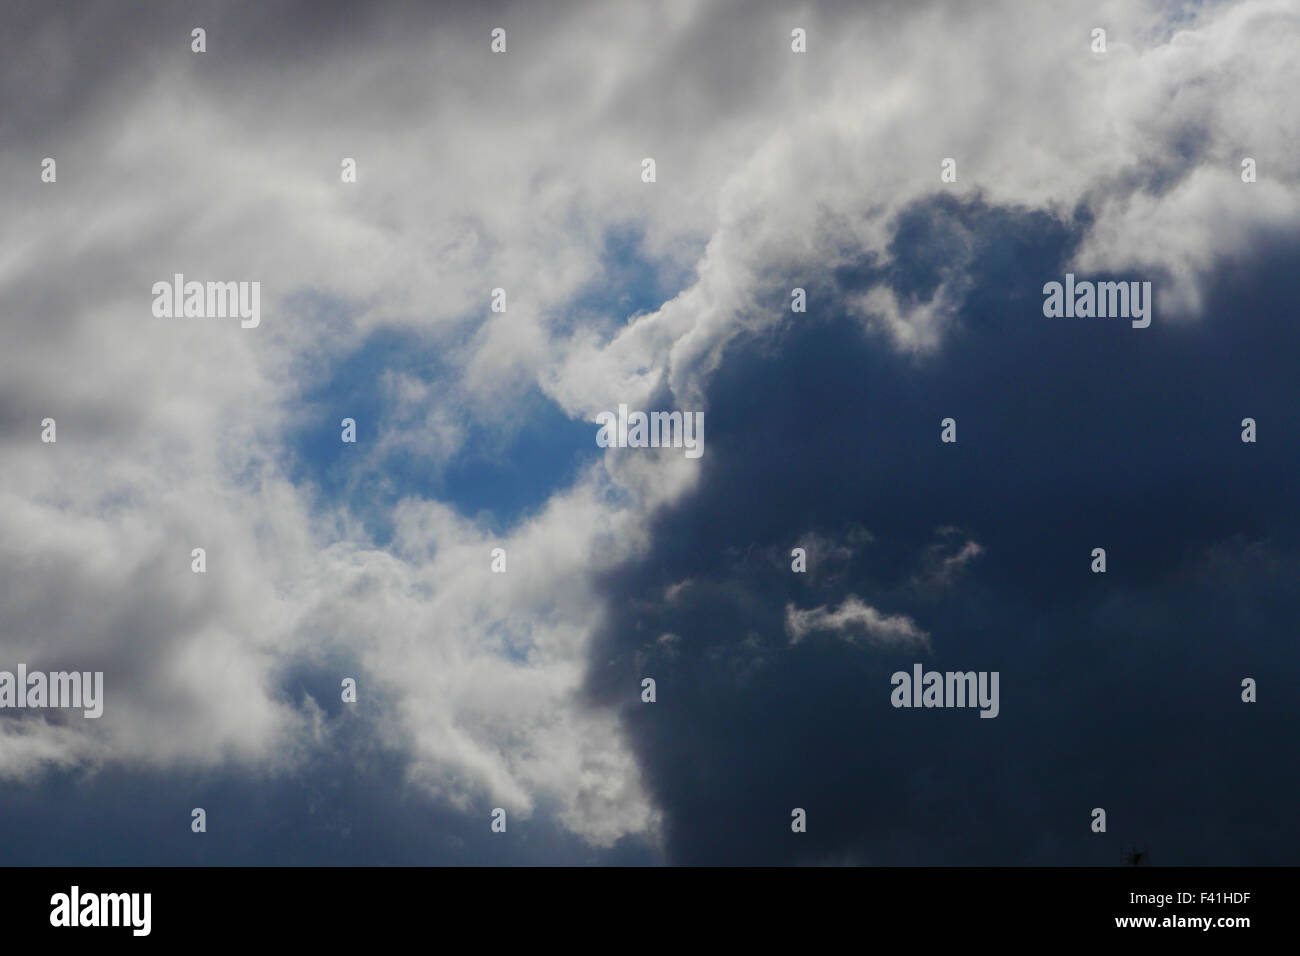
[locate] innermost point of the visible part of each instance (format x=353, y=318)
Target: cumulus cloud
x=1129, y=140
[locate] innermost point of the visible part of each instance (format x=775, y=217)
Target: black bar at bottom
x=644, y=907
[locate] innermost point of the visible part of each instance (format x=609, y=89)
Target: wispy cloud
x=853, y=620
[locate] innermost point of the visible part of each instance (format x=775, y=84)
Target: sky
x=921, y=171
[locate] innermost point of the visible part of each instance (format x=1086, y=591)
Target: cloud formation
x=776, y=171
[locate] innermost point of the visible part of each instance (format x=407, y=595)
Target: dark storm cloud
x=1118, y=691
